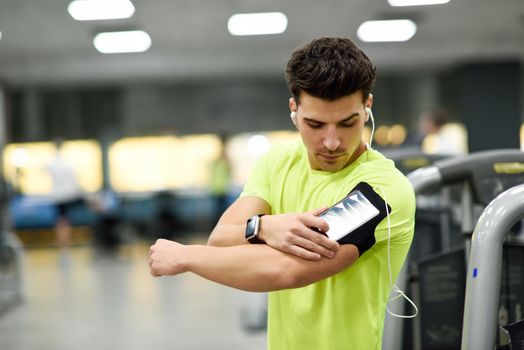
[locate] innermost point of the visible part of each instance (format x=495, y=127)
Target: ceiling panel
x=42, y=43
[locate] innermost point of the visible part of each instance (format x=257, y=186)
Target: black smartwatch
x=252, y=229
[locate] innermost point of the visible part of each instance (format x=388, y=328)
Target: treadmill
x=485, y=275
x=437, y=282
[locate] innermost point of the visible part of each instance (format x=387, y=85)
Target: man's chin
x=321, y=163
x=331, y=167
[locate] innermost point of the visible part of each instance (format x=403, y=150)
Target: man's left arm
x=256, y=268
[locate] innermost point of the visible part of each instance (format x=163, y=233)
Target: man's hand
x=166, y=258
x=295, y=234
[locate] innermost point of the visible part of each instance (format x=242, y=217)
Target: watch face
x=251, y=227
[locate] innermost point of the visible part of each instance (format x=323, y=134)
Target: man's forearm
x=227, y=235
x=260, y=268
x=254, y=268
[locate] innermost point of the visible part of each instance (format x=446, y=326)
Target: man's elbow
x=293, y=273
x=216, y=239
x=293, y=281
x=213, y=241
x=218, y=242
x=225, y=236
x=285, y=276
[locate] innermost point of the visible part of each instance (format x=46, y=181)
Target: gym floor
x=84, y=300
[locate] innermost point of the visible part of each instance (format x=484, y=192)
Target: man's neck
x=362, y=147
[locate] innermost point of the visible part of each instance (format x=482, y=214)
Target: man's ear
x=292, y=105
x=293, y=109
x=369, y=101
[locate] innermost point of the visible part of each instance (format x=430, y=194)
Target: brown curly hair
x=330, y=68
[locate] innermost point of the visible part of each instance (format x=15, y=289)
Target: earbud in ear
x=293, y=116
x=368, y=113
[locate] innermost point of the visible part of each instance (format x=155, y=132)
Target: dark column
x=5, y=224
x=489, y=101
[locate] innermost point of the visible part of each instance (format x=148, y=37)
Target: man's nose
x=331, y=139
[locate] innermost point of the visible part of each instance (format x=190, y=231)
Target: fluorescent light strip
x=416, y=2
x=257, y=23
x=387, y=31
x=122, y=42
x=522, y=137
x=89, y=10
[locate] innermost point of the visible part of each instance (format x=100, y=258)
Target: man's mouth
x=330, y=157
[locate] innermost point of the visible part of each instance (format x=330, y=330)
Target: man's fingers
x=315, y=222
x=318, y=211
x=313, y=235
x=321, y=240
x=152, y=269
x=303, y=253
x=314, y=247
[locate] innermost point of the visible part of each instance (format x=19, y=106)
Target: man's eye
x=314, y=125
x=348, y=125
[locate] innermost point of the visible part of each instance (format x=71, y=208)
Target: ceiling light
x=258, y=145
x=88, y=10
x=120, y=42
x=390, y=30
x=257, y=23
x=416, y=2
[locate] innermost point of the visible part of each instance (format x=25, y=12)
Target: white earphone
x=369, y=115
x=293, y=116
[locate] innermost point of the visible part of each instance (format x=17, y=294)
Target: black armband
x=362, y=245
x=354, y=219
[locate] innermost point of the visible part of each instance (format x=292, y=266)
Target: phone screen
x=349, y=214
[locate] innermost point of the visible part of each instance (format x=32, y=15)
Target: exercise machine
x=437, y=282
x=485, y=267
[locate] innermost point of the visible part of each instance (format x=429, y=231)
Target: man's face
x=331, y=130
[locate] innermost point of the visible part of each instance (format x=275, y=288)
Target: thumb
x=318, y=211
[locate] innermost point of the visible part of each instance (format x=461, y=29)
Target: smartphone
x=350, y=213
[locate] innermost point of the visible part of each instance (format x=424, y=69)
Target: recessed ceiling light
x=122, y=42
x=416, y=2
x=257, y=23
x=88, y=10
x=386, y=31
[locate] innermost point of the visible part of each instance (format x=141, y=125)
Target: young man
x=323, y=295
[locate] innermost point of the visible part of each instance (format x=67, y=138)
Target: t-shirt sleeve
x=258, y=183
x=401, y=198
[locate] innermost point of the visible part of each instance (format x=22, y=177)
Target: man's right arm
x=291, y=233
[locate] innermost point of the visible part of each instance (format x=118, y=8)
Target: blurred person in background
x=106, y=205
x=66, y=194
x=438, y=135
x=220, y=180
x=324, y=295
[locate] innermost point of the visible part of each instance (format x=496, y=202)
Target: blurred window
x=26, y=164
x=142, y=164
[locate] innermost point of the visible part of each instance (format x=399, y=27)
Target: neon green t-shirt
x=347, y=310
